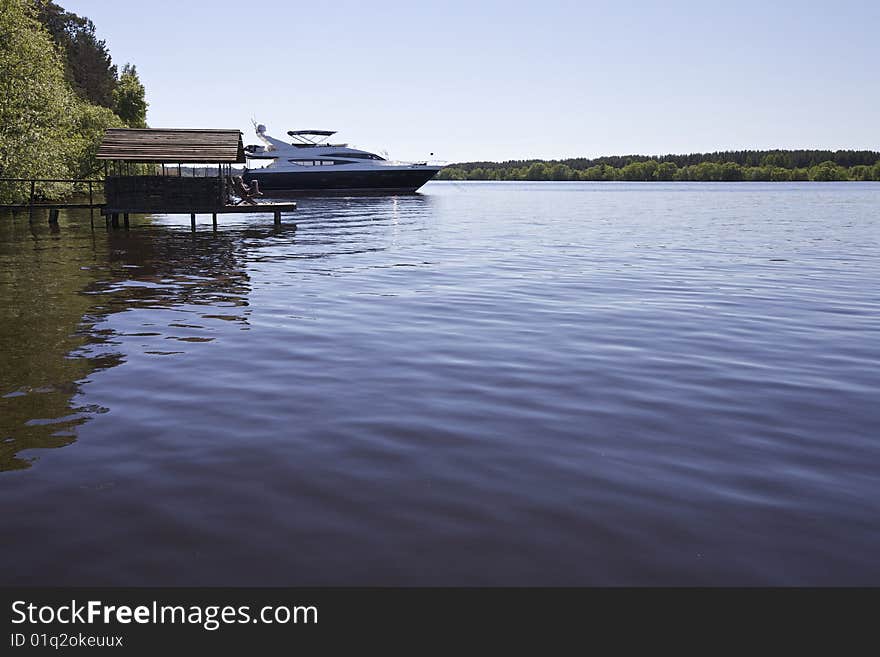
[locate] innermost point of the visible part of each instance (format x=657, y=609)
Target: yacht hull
x=395, y=181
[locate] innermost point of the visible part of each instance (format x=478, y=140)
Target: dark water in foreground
x=485, y=384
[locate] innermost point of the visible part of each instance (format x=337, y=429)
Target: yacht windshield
x=358, y=156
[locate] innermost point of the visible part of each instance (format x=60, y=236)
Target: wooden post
x=91, y=206
x=192, y=222
x=114, y=220
x=53, y=215
x=277, y=217
x=31, y=210
x=214, y=219
x=125, y=217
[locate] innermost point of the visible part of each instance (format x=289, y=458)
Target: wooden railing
x=35, y=203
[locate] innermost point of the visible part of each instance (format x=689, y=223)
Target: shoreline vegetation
x=59, y=90
x=727, y=166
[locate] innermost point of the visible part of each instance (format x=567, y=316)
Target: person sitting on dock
x=245, y=193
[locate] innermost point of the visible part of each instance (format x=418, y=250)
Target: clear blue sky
x=507, y=80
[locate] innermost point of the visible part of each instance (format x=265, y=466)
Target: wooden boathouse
x=144, y=174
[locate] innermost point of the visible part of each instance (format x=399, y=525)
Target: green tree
x=609, y=173
x=46, y=130
x=631, y=172
x=705, y=172
x=827, y=171
x=451, y=173
x=757, y=174
x=731, y=171
x=776, y=159
x=560, y=172
x=639, y=171
x=129, y=98
x=36, y=104
x=537, y=171
x=666, y=171
x=87, y=64
x=780, y=174
x=595, y=173
x=683, y=174
x=90, y=122
x=860, y=172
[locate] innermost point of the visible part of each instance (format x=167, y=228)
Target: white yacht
x=308, y=164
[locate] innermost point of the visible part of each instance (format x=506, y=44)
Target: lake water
x=486, y=383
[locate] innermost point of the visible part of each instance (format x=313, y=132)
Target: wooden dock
x=134, y=183
x=113, y=214
x=131, y=188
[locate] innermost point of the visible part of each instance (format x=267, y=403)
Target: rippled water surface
x=482, y=384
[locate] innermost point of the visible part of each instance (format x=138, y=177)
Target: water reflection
x=65, y=290
x=59, y=285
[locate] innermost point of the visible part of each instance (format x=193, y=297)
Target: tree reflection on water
x=57, y=288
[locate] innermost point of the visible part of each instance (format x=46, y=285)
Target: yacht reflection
x=335, y=225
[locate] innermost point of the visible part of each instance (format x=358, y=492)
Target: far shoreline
x=722, y=166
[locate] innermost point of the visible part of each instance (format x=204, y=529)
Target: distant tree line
x=727, y=166
x=59, y=90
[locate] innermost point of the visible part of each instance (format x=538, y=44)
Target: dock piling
x=277, y=217
x=53, y=215
x=192, y=222
x=214, y=220
x=125, y=218
x=31, y=212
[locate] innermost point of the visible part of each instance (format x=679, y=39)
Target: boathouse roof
x=172, y=145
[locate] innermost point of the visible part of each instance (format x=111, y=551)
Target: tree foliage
x=36, y=102
x=729, y=166
x=51, y=120
x=88, y=66
x=129, y=98
x=89, y=124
